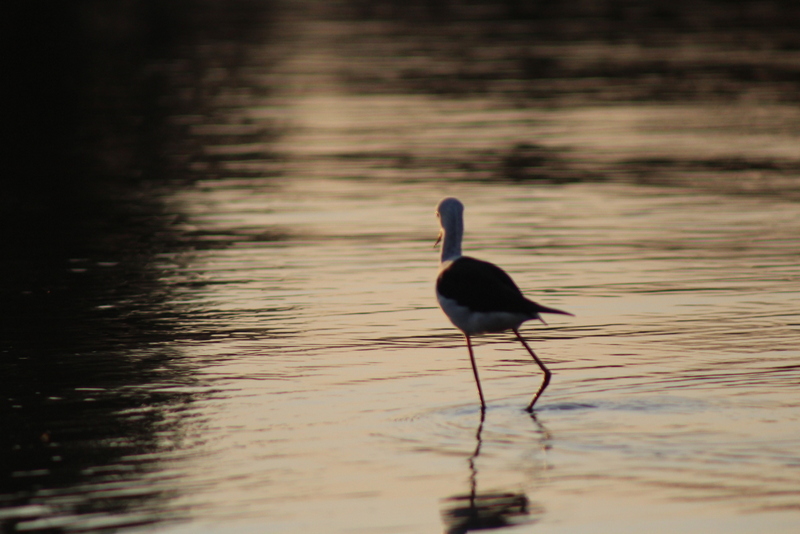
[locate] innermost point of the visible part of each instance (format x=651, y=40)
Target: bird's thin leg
x=475, y=372
x=547, y=373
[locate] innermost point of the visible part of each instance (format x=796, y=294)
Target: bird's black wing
x=482, y=286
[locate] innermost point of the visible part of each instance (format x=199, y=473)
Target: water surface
x=255, y=345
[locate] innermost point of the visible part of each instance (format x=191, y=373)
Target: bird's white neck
x=453, y=230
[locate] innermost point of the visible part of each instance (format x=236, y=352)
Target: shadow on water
x=482, y=510
x=92, y=397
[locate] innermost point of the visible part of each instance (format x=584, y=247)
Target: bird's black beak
x=438, y=239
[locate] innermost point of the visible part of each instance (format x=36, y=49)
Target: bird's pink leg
x=547, y=373
x=475, y=371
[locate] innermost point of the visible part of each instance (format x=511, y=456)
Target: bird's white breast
x=472, y=322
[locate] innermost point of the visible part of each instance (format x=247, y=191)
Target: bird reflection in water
x=487, y=510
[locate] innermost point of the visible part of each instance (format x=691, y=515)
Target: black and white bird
x=478, y=296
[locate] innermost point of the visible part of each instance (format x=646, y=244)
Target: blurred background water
x=218, y=265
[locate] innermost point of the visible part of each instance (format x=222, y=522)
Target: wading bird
x=478, y=296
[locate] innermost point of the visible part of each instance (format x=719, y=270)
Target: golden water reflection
x=672, y=386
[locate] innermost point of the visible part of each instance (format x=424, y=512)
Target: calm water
x=259, y=349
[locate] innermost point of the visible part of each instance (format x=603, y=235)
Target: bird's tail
x=539, y=309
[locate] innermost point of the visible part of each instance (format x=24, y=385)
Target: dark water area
x=654, y=51
x=114, y=109
x=89, y=393
x=576, y=54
